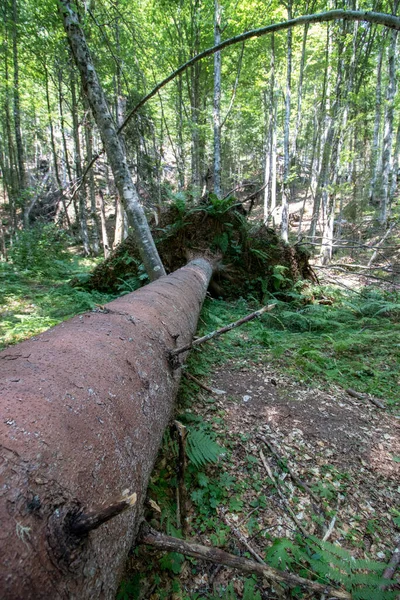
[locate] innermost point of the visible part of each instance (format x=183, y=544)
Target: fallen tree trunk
x=84, y=407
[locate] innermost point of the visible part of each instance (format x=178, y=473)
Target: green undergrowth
x=322, y=335
x=34, y=289
x=318, y=327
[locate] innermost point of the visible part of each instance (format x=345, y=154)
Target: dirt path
x=344, y=449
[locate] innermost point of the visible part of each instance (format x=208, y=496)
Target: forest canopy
x=302, y=122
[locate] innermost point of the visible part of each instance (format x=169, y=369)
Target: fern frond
x=201, y=448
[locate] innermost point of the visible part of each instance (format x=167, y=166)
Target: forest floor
x=282, y=426
x=284, y=379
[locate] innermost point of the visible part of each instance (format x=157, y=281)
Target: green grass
x=31, y=301
x=354, y=342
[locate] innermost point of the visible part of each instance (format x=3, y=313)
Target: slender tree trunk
x=300, y=94
x=120, y=104
x=11, y=172
x=325, y=140
x=194, y=93
x=286, y=135
x=83, y=228
x=92, y=190
x=341, y=110
x=114, y=149
x=388, y=130
x=270, y=158
x=62, y=127
x=395, y=168
x=375, y=166
x=217, y=101
x=104, y=234
x=17, y=109
x=181, y=146
x=29, y=207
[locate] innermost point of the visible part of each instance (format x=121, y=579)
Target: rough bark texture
x=84, y=407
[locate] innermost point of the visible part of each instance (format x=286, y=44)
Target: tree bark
x=217, y=102
x=286, y=135
x=82, y=214
x=95, y=237
x=387, y=163
x=114, y=150
x=375, y=167
x=17, y=107
x=84, y=408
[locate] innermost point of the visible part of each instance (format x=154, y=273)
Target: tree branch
x=165, y=542
x=219, y=332
x=332, y=15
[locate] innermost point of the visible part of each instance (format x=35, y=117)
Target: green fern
x=249, y=592
x=201, y=448
x=330, y=562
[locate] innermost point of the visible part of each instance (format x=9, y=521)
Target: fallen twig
x=181, y=494
x=219, y=332
x=360, y=396
x=202, y=385
x=331, y=527
x=151, y=537
x=293, y=475
x=379, y=244
x=281, y=495
x=237, y=533
x=392, y=566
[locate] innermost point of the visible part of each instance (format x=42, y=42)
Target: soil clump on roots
x=246, y=255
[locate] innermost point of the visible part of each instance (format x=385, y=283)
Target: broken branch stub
x=84, y=407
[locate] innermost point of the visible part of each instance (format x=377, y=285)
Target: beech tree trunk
x=286, y=134
x=84, y=407
x=109, y=135
x=217, y=102
x=387, y=162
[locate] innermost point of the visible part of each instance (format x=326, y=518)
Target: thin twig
x=393, y=564
x=181, y=494
x=219, y=332
x=379, y=244
x=293, y=475
x=237, y=533
x=281, y=495
x=211, y=390
x=331, y=527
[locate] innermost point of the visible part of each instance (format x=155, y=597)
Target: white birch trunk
x=270, y=148
x=377, y=127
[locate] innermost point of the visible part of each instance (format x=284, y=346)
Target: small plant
x=332, y=565
x=201, y=448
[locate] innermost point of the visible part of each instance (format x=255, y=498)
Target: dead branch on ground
x=153, y=538
x=360, y=396
x=174, y=353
